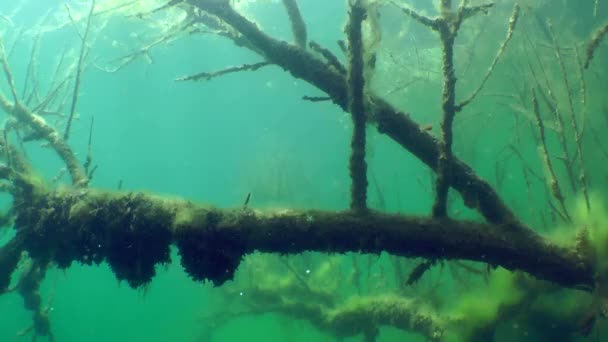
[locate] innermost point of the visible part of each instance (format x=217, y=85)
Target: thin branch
x=329, y=56
x=7, y=73
x=422, y=19
x=298, y=27
x=552, y=103
x=419, y=271
x=597, y=38
x=316, y=98
x=470, y=11
x=577, y=135
x=170, y=3
x=553, y=181
x=172, y=33
x=205, y=76
x=79, y=68
x=89, y=158
x=30, y=73
x=583, y=84
x=67, y=8
x=499, y=54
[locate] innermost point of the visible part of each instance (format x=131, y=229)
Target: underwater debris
x=597, y=38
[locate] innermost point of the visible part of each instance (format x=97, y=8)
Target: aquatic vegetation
x=508, y=277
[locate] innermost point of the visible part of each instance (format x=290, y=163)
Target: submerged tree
x=133, y=231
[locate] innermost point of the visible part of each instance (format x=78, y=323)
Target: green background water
x=216, y=141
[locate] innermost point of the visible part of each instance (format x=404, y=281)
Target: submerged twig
x=316, y=98
x=583, y=83
x=329, y=56
x=7, y=73
x=419, y=271
x=205, y=76
x=499, y=54
x=597, y=38
x=79, y=68
x=553, y=182
x=89, y=159
x=577, y=135
x=550, y=100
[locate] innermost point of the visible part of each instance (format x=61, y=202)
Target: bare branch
x=205, y=76
x=316, y=98
x=422, y=19
x=79, y=68
x=577, y=134
x=67, y=8
x=597, y=38
x=329, y=56
x=553, y=181
x=501, y=51
x=7, y=73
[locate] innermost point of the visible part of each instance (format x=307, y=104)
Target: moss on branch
x=356, y=86
x=133, y=232
x=476, y=192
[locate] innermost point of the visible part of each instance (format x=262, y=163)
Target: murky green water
x=251, y=132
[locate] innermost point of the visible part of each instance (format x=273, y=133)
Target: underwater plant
x=532, y=267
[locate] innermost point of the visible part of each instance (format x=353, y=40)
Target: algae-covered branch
x=468, y=92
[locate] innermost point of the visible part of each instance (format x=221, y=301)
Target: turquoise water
x=217, y=141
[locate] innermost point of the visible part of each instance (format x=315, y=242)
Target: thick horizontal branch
x=303, y=65
x=133, y=232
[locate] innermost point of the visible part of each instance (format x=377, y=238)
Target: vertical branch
x=298, y=27
x=596, y=4
x=30, y=73
x=577, y=135
x=447, y=25
x=581, y=79
x=356, y=84
x=597, y=38
x=83, y=48
x=7, y=73
x=448, y=98
x=553, y=182
x=89, y=159
x=552, y=103
x=501, y=51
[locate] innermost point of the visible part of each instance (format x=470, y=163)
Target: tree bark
x=476, y=192
x=133, y=232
